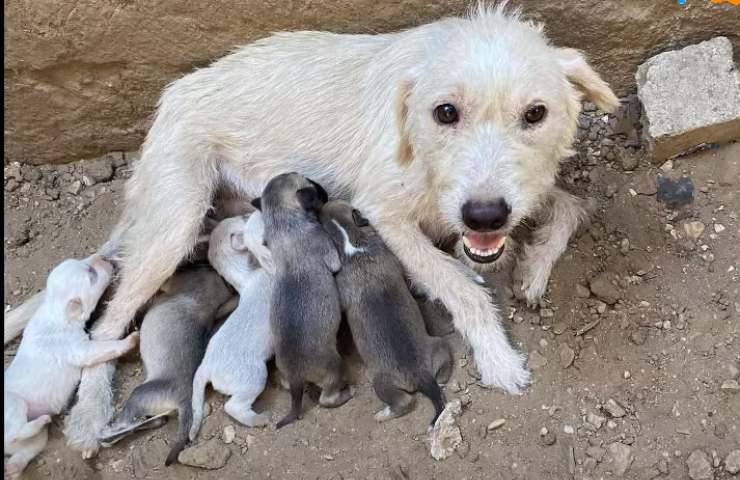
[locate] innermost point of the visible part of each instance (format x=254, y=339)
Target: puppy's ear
x=73, y=309
x=257, y=203
x=323, y=196
x=405, y=152
x=237, y=242
x=308, y=198
x=360, y=221
x=587, y=80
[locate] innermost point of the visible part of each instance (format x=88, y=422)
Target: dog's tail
x=429, y=387
x=296, y=404
x=185, y=420
x=199, y=391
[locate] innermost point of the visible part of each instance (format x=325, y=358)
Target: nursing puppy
x=234, y=362
x=174, y=334
x=55, y=347
x=456, y=127
x=305, y=313
x=385, y=320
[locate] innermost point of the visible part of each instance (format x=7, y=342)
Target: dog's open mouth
x=483, y=247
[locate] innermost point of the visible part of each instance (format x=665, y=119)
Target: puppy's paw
x=257, y=420
x=384, y=414
x=133, y=340
x=532, y=275
x=89, y=453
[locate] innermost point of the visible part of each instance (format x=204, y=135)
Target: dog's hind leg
x=167, y=199
x=441, y=360
x=334, y=389
x=239, y=405
x=28, y=450
x=563, y=214
x=398, y=401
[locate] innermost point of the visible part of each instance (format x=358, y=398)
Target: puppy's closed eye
x=93, y=274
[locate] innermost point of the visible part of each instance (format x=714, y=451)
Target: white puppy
x=234, y=362
x=452, y=128
x=55, y=347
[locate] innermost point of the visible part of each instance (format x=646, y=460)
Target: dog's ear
x=323, y=196
x=73, y=309
x=405, y=152
x=257, y=203
x=580, y=73
x=360, y=221
x=237, y=242
x=308, y=197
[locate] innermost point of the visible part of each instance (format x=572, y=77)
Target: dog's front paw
x=499, y=364
x=531, y=277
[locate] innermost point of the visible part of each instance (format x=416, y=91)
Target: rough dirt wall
x=82, y=77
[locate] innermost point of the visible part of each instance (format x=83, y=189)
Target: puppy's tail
x=296, y=404
x=185, y=420
x=16, y=320
x=199, y=391
x=429, y=387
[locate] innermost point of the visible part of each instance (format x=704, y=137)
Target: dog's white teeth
x=466, y=242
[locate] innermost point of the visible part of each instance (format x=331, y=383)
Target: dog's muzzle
x=483, y=247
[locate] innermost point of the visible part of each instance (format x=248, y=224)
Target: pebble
x=611, y=424
x=699, y=466
x=694, y=229
x=675, y=193
x=719, y=228
x=627, y=375
x=229, y=434
x=624, y=246
x=731, y=386
x=604, y=290
x=596, y=453
x=547, y=437
x=733, y=371
x=732, y=462
x=627, y=158
x=496, y=424
x=595, y=420
x=569, y=429
x=622, y=458
x=210, y=455
x=559, y=328
x=75, y=187
x=536, y=360
x=638, y=337
x=147, y=457
x=98, y=170
x=582, y=292
x=614, y=409
x=566, y=355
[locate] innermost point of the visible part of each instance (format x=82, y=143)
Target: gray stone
x=596, y=453
x=595, y=420
x=210, y=455
x=582, y=292
x=732, y=462
x=614, y=409
x=675, y=193
x=148, y=456
x=731, y=386
x=536, y=361
x=97, y=170
x=621, y=458
x=446, y=436
x=699, y=466
x=690, y=97
x=566, y=355
x=603, y=289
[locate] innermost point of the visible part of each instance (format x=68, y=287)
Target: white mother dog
x=455, y=127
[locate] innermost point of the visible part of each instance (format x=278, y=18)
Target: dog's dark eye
x=535, y=114
x=446, y=114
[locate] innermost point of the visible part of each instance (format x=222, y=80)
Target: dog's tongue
x=484, y=241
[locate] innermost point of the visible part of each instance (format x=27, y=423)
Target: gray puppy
x=383, y=316
x=174, y=335
x=305, y=312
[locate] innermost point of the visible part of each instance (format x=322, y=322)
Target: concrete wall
x=82, y=77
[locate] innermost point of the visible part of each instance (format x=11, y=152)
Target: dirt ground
x=635, y=353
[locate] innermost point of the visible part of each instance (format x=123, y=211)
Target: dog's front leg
x=473, y=312
x=562, y=216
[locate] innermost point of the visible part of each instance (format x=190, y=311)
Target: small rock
x=566, y=355
x=624, y=246
x=229, y=434
x=694, y=229
x=699, y=466
x=603, y=289
x=496, y=424
x=731, y=386
x=446, y=436
x=733, y=371
x=75, y=187
x=627, y=158
x=675, y=193
x=536, y=360
x=547, y=437
x=596, y=453
x=638, y=337
x=97, y=170
x=568, y=429
x=646, y=185
x=614, y=409
x=546, y=313
x=148, y=457
x=622, y=458
x=611, y=424
x=719, y=228
x=595, y=420
x=559, y=328
x=582, y=292
x=732, y=462
x=210, y=455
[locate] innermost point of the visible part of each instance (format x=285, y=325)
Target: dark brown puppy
x=385, y=320
x=305, y=312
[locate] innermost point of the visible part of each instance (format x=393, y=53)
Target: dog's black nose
x=485, y=216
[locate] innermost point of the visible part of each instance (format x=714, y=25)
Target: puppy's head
x=236, y=248
x=75, y=286
x=345, y=224
x=486, y=119
x=292, y=191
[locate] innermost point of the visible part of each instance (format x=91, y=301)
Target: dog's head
x=236, y=248
x=486, y=120
x=292, y=191
x=75, y=286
